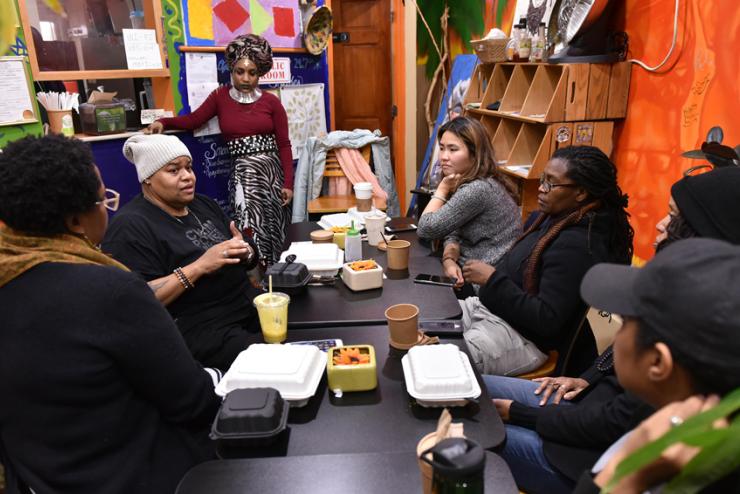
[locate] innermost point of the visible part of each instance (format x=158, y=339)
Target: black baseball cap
x=689, y=294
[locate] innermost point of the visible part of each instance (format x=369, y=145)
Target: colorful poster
x=217, y=22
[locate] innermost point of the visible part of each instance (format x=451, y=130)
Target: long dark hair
x=677, y=229
x=590, y=168
x=473, y=134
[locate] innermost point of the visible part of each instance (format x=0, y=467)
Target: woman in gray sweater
x=474, y=208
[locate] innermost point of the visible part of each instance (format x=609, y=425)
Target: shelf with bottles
x=546, y=93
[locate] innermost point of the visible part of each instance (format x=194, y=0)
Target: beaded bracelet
x=435, y=196
x=183, y=279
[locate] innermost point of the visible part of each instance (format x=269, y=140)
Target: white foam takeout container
x=439, y=376
x=294, y=370
x=320, y=259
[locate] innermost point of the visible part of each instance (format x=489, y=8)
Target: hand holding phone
x=432, y=279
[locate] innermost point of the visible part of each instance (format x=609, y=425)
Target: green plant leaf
x=691, y=430
x=710, y=465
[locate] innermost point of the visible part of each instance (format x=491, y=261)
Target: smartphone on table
x=433, y=279
x=443, y=327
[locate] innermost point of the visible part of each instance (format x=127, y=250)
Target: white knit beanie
x=150, y=152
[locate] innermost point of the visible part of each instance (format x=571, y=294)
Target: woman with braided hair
x=255, y=126
x=529, y=303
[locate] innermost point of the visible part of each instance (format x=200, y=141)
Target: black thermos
x=458, y=465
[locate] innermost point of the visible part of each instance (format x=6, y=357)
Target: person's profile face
x=662, y=225
x=174, y=183
x=95, y=221
x=244, y=76
x=454, y=156
x=558, y=193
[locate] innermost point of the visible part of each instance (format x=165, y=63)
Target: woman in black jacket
x=99, y=392
x=529, y=303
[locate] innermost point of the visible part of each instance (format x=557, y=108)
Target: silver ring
x=676, y=421
x=225, y=254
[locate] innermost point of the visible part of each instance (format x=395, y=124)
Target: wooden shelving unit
x=543, y=107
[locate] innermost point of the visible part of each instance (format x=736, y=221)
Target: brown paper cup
x=398, y=254
x=60, y=122
x=403, y=323
x=364, y=205
x=425, y=443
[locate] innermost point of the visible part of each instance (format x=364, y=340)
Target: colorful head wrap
x=252, y=47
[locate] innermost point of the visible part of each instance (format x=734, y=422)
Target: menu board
x=16, y=105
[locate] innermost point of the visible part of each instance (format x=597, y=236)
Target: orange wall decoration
x=671, y=111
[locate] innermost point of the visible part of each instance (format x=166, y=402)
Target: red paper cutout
x=283, y=18
x=231, y=13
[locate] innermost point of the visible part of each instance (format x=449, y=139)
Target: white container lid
x=316, y=257
x=439, y=373
x=294, y=370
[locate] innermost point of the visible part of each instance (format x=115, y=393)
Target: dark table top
x=337, y=305
x=386, y=419
x=362, y=472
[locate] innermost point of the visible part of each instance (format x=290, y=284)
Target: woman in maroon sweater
x=255, y=126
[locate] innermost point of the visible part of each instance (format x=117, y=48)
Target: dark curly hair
x=590, y=168
x=43, y=180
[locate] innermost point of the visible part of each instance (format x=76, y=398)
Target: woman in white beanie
x=255, y=127
x=193, y=257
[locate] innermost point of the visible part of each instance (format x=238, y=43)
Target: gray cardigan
x=480, y=216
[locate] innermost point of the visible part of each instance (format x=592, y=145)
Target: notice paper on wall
x=279, y=73
x=16, y=105
x=201, y=76
x=142, y=50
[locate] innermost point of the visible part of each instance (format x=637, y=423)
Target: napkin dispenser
x=103, y=114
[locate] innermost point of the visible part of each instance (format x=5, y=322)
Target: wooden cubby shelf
x=543, y=107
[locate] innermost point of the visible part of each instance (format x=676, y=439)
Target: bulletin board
x=17, y=104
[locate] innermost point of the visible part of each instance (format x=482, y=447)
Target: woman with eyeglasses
x=99, y=391
x=704, y=205
x=193, y=257
x=529, y=302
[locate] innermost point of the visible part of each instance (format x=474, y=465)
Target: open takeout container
x=352, y=376
x=294, y=370
x=320, y=259
x=439, y=376
x=362, y=279
x=249, y=418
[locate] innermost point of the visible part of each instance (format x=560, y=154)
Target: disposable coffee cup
x=425, y=468
x=60, y=122
x=398, y=254
x=403, y=324
x=273, y=313
x=364, y=196
x=374, y=225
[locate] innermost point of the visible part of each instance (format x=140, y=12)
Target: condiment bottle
x=524, y=46
x=352, y=245
x=513, y=43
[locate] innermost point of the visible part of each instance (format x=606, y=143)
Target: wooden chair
x=552, y=363
x=326, y=204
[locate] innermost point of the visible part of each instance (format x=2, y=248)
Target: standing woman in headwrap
x=255, y=126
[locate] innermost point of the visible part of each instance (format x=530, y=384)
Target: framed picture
x=17, y=105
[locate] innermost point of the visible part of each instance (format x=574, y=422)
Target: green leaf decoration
x=466, y=18
x=720, y=452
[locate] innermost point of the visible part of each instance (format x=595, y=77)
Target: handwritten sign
x=150, y=115
x=142, y=50
x=280, y=72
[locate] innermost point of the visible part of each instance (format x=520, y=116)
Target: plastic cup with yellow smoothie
x=273, y=313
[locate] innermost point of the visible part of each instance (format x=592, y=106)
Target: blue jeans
x=523, y=447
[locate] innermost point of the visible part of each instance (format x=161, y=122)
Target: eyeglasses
x=548, y=186
x=111, y=200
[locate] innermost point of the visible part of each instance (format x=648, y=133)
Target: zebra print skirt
x=255, y=193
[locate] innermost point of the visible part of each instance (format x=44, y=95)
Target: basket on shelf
x=490, y=50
